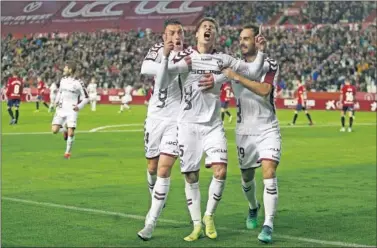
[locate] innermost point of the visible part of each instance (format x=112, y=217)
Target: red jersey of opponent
x=14, y=88
x=348, y=93
x=300, y=92
x=225, y=94
x=41, y=87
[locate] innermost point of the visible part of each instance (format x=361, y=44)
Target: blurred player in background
x=225, y=94
x=41, y=87
x=301, y=103
x=53, y=92
x=92, y=90
x=258, y=136
x=126, y=98
x=71, y=89
x=13, y=92
x=347, y=100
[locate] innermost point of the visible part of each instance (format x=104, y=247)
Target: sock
x=309, y=118
x=193, y=201
x=249, y=191
x=121, y=108
x=37, y=105
x=93, y=105
x=70, y=141
x=216, y=189
x=17, y=114
x=46, y=105
x=351, y=120
x=160, y=194
x=228, y=113
x=343, y=120
x=222, y=116
x=11, y=113
x=270, y=199
x=151, y=182
x=126, y=106
x=295, y=118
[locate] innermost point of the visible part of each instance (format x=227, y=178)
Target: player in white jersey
x=67, y=104
x=92, y=91
x=161, y=148
x=53, y=92
x=200, y=129
x=258, y=136
x=126, y=98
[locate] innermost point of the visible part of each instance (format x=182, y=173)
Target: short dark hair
x=171, y=22
x=253, y=27
x=209, y=19
x=71, y=65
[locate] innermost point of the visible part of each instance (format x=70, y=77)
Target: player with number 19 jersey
x=161, y=122
x=257, y=130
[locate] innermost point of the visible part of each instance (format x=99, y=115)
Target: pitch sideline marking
x=101, y=129
x=139, y=217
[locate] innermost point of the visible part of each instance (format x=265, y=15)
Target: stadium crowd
x=321, y=57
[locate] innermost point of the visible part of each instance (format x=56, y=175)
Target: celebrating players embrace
x=184, y=120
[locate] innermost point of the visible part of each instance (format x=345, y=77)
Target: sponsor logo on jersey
x=220, y=151
x=197, y=71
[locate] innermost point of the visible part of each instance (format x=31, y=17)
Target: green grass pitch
x=98, y=198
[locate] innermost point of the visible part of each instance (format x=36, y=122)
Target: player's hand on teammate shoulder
x=207, y=82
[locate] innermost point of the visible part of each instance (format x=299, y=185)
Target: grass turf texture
x=327, y=185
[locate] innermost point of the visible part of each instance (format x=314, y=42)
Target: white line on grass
x=110, y=126
x=139, y=217
x=101, y=129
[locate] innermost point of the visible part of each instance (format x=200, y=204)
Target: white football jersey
x=199, y=106
x=165, y=100
x=71, y=91
x=53, y=89
x=128, y=90
x=256, y=114
x=92, y=88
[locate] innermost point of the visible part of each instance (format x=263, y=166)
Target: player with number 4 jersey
x=347, y=100
x=14, y=90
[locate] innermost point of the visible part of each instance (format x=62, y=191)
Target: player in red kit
x=347, y=100
x=13, y=93
x=226, y=90
x=301, y=104
x=41, y=89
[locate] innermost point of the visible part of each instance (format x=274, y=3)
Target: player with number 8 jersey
x=14, y=90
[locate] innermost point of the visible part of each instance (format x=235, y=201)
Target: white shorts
x=194, y=139
x=93, y=97
x=126, y=99
x=62, y=116
x=160, y=137
x=252, y=149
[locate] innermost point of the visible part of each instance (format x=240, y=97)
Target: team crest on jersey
x=220, y=63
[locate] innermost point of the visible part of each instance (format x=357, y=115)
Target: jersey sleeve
x=272, y=72
x=249, y=70
x=84, y=94
x=152, y=60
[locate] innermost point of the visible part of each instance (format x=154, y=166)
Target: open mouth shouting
x=207, y=35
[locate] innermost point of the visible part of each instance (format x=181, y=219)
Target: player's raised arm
x=152, y=61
